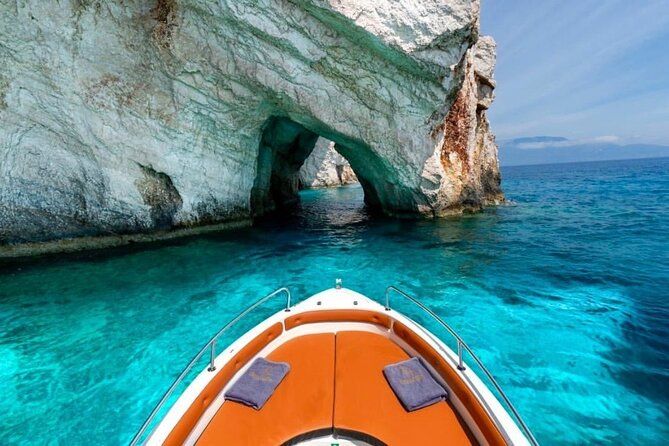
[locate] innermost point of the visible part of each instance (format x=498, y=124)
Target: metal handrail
x=211, y=346
x=463, y=345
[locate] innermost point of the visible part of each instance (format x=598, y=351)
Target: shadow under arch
x=285, y=145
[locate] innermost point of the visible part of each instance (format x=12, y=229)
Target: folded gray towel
x=258, y=383
x=413, y=384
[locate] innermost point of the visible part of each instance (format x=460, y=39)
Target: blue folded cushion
x=257, y=383
x=413, y=384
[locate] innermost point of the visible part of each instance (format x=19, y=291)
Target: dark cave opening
x=284, y=147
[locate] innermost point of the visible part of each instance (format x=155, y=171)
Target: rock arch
x=284, y=147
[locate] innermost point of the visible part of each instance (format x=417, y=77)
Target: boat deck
x=336, y=386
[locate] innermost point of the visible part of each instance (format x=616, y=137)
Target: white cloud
x=607, y=138
x=610, y=139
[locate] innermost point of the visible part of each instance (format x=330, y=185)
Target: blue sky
x=583, y=69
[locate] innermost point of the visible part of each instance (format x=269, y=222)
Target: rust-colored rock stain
x=456, y=128
x=164, y=12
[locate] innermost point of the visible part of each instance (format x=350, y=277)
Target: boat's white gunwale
x=334, y=299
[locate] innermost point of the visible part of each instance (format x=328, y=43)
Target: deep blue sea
x=564, y=294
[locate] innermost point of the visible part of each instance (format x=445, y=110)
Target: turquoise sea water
x=564, y=295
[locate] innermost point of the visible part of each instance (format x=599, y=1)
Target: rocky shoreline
x=92, y=243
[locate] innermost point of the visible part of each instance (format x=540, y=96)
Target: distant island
x=558, y=149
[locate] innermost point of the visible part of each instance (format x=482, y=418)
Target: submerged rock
x=128, y=117
x=325, y=167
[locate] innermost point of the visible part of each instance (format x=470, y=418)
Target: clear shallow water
x=564, y=296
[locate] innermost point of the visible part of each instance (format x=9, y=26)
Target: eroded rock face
x=467, y=148
x=325, y=167
x=160, y=195
x=130, y=116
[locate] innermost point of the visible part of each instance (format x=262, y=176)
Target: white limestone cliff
x=325, y=167
x=121, y=117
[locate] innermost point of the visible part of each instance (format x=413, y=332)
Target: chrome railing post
x=388, y=298
x=212, y=357
x=461, y=366
x=287, y=299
